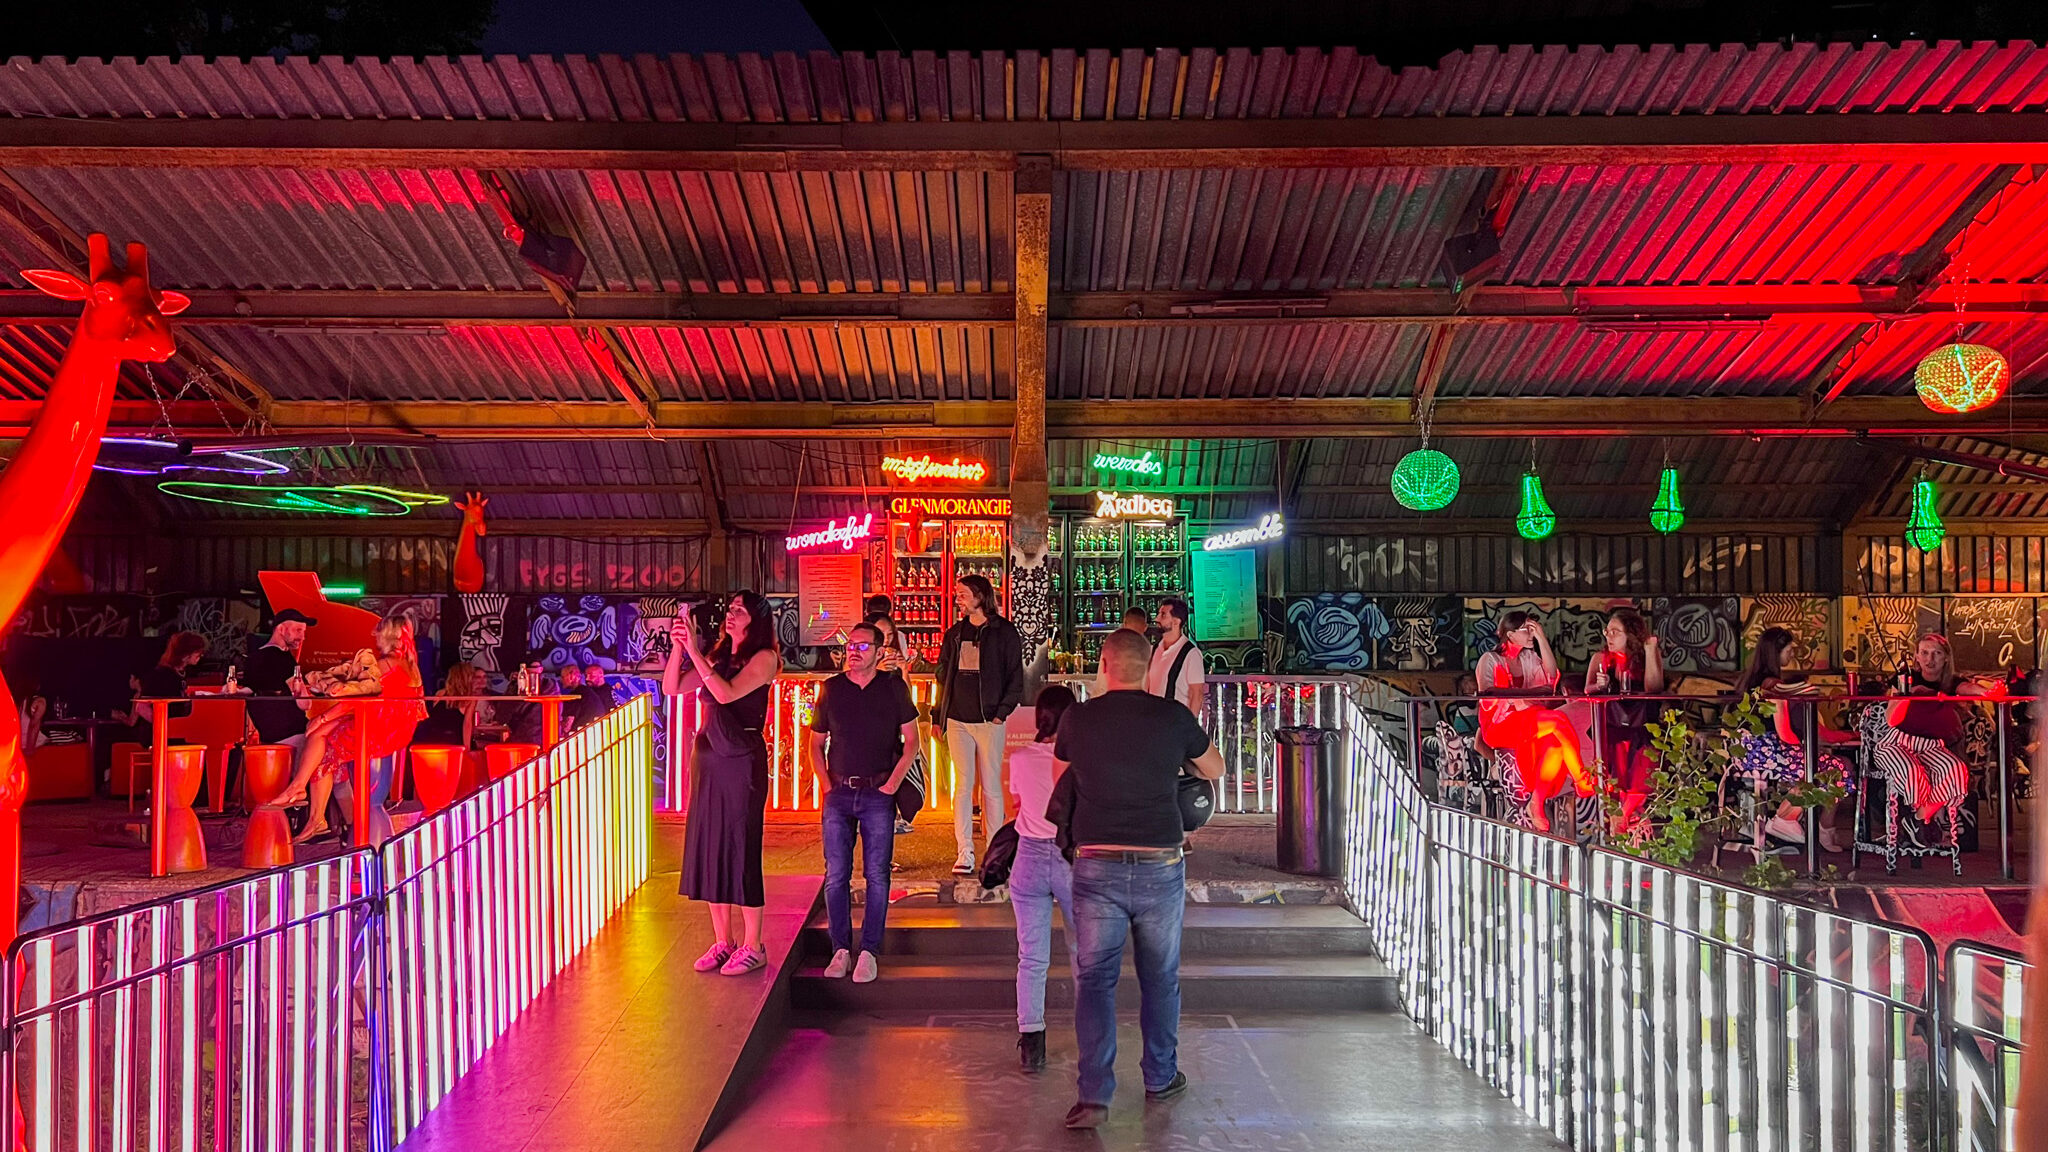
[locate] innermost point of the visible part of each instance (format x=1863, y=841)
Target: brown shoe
x=1087, y=1115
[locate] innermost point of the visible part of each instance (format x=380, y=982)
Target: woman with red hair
x=1545, y=744
x=391, y=673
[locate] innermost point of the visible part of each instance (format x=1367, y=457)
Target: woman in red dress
x=391, y=673
x=1544, y=741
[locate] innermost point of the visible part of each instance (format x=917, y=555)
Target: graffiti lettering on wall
x=581, y=576
x=1553, y=567
x=1697, y=634
x=1879, y=632
x=1386, y=563
x=81, y=618
x=225, y=624
x=1987, y=633
x=1809, y=618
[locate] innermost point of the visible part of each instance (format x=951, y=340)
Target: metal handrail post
x=2004, y=791
x=1810, y=737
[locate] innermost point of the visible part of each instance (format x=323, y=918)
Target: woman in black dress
x=729, y=776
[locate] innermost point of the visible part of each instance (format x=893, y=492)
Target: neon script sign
x=911, y=469
x=1146, y=465
x=1269, y=528
x=841, y=534
x=1136, y=506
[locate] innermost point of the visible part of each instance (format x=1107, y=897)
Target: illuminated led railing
x=221, y=1018
x=1631, y=1006
x=1242, y=714
x=328, y=1005
x=1981, y=1028
x=487, y=902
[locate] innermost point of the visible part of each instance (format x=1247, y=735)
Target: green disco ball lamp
x=1537, y=519
x=1425, y=480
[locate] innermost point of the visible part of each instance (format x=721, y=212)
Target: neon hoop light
x=841, y=534
x=143, y=456
x=1136, y=506
x=911, y=469
x=340, y=500
x=1146, y=465
x=1271, y=527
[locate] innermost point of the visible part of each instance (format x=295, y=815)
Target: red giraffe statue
x=123, y=320
x=469, y=547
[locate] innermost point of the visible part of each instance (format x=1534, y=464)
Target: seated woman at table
x=391, y=672
x=451, y=719
x=1629, y=662
x=1917, y=757
x=1775, y=755
x=166, y=680
x=1544, y=741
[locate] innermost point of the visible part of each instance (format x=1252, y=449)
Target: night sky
x=624, y=26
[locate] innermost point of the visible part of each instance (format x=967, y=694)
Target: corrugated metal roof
x=1063, y=84
x=1746, y=358
x=1883, y=364
x=29, y=356
x=847, y=362
x=484, y=362
x=1185, y=465
x=1965, y=493
x=1189, y=361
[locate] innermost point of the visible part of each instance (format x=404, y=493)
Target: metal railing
x=1629, y=1005
x=331, y=1004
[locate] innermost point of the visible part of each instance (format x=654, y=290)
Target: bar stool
x=436, y=774
x=501, y=759
x=184, y=772
x=265, y=769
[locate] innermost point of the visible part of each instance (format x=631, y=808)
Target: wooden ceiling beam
x=1951, y=138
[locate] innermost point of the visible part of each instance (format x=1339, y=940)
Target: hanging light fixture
x=1958, y=378
x=1425, y=480
x=1536, y=519
x=1924, y=529
x=1668, y=513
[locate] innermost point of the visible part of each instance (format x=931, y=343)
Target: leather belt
x=859, y=782
x=1126, y=856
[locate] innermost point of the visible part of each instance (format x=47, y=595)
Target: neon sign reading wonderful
x=911, y=469
x=1270, y=528
x=1146, y=465
x=1136, y=506
x=855, y=528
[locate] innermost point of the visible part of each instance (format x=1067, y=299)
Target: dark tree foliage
x=243, y=27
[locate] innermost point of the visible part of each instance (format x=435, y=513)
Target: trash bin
x=1311, y=804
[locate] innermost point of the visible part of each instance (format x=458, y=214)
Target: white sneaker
x=866, y=970
x=964, y=866
x=841, y=961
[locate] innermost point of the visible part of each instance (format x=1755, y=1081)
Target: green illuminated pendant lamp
x=1924, y=529
x=1536, y=520
x=1425, y=480
x=1668, y=513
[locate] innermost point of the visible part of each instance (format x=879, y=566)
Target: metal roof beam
x=1069, y=419
x=1488, y=141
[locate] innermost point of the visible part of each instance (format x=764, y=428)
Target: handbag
x=1197, y=799
x=910, y=793
x=1001, y=854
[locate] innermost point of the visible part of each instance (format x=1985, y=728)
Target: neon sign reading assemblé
x=911, y=469
x=1269, y=528
x=855, y=528
x=1136, y=506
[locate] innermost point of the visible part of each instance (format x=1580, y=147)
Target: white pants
x=975, y=748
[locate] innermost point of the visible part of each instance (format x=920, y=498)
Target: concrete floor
x=1286, y=1082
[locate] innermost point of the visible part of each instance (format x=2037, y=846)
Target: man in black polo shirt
x=274, y=672
x=863, y=738
x=1125, y=749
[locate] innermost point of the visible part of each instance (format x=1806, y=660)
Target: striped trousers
x=1922, y=770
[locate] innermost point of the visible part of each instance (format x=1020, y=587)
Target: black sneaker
x=1031, y=1050
x=1087, y=1115
x=1174, y=1087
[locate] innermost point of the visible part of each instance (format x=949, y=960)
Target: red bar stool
x=184, y=772
x=501, y=759
x=436, y=774
x=265, y=770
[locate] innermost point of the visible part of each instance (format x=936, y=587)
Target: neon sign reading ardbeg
x=1135, y=506
x=1146, y=465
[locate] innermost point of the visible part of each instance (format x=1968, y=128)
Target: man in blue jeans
x=1124, y=750
x=863, y=739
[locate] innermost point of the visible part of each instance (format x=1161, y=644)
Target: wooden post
x=1030, y=496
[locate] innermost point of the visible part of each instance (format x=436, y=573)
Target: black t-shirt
x=162, y=682
x=443, y=726
x=591, y=704
x=963, y=695
x=865, y=725
x=270, y=673
x=1125, y=750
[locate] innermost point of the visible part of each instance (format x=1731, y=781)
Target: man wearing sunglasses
x=863, y=739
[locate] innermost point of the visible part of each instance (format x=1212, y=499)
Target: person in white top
x=1171, y=673
x=1041, y=875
